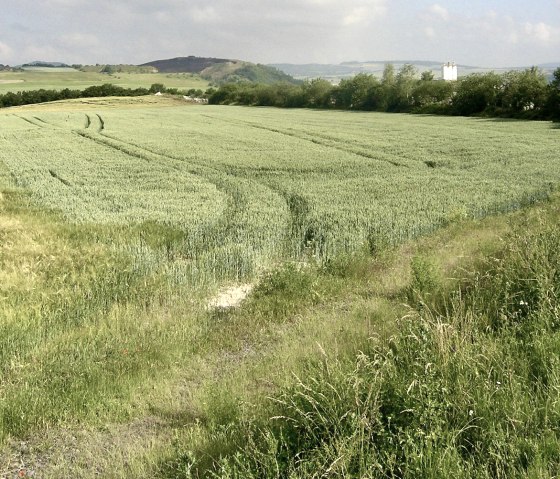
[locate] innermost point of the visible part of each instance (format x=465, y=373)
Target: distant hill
x=189, y=64
x=552, y=65
x=42, y=64
x=337, y=72
x=221, y=70
x=116, y=68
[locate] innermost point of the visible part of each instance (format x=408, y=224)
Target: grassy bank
x=465, y=384
x=163, y=387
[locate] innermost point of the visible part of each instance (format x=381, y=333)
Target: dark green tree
x=553, y=97
x=317, y=93
x=434, y=94
x=427, y=75
x=478, y=93
x=357, y=93
x=157, y=87
x=524, y=91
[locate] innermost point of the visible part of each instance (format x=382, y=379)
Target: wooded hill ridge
x=221, y=70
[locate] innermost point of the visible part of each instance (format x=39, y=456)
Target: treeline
x=42, y=96
x=517, y=94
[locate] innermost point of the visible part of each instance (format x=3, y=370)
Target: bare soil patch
x=230, y=297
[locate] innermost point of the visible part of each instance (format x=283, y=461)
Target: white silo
x=449, y=71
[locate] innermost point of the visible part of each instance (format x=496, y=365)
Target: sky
x=486, y=33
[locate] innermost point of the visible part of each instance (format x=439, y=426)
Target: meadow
x=121, y=218
x=60, y=78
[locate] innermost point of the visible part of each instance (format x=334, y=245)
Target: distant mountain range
x=336, y=72
x=222, y=70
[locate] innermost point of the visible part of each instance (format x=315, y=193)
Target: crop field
x=121, y=218
x=259, y=185
x=57, y=79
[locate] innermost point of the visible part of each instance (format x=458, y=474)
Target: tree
x=357, y=93
x=108, y=69
x=478, y=93
x=553, y=97
x=224, y=95
x=524, y=91
x=434, y=92
x=317, y=93
x=157, y=87
x=388, y=77
x=427, y=75
x=404, y=85
x=387, y=90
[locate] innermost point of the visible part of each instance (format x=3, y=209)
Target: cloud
x=429, y=32
x=440, y=12
x=542, y=33
x=64, y=3
x=296, y=31
x=79, y=40
x=5, y=51
x=357, y=16
x=204, y=14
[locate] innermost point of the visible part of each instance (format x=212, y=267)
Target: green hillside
x=220, y=70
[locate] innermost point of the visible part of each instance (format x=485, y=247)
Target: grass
x=464, y=384
x=112, y=363
x=53, y=79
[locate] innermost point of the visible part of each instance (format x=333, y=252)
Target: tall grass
x=469, y=386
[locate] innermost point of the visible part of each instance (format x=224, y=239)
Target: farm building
x=449, y=71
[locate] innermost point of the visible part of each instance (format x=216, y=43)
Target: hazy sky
x=475, y=32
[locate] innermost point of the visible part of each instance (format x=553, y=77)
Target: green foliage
x=553, y=98
x=524, y=91
x=244, y=72
x=478, y=93
x=286, y=289
x=357, y=93
x=43, y=96
x=157, y=88
x=519, y=94
x=445, y=397
x=425, y=282
x=427, y=76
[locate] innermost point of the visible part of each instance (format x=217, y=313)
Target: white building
x=449, y=71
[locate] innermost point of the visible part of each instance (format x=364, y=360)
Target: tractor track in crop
x=237, y=188
x=315, y=138
x=281, y=194
x=32, y=122
x=38, y=122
